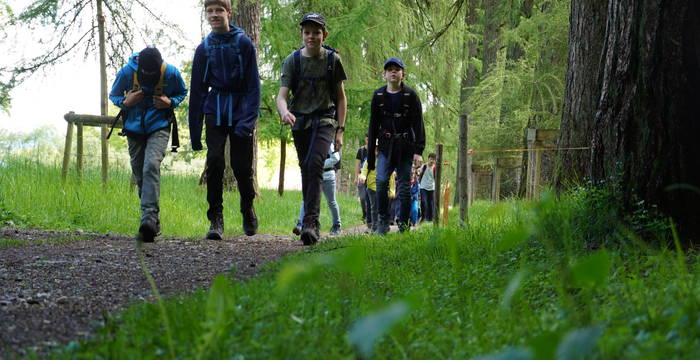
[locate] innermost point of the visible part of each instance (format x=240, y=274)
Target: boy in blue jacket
x=147, y=90
x=225, y=95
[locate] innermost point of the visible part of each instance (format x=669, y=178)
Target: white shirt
x=428, y=180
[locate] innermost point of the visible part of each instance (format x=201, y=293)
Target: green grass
x=32, y=195
x=553, y=279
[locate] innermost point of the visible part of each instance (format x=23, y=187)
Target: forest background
x=501, y=61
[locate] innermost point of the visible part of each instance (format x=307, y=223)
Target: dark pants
x=403, y=166
x=362, y=194
x=311, y=158
x=427, y=202
x=241, y=162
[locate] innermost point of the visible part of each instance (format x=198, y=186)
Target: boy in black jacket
x=396, y=125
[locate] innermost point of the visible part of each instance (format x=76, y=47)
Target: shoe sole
x=213, y=236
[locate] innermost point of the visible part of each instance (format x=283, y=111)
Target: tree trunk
x=470, y=74
x=645, y=131
x=582, y=93
x=492, y=32
x=283, y=162
x=103, y=91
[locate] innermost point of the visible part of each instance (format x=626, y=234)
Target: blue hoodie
x=144, y=118
x=222, y=88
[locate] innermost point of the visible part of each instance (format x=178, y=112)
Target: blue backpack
x=235, y=45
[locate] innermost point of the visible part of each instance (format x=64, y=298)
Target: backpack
x=235, y=45
x=330, y=64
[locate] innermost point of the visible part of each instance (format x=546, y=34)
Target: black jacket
x=409, y=124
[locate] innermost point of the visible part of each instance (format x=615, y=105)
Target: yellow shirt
x=370, y=177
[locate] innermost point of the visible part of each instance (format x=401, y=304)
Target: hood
x=133, y=63
x=233, y=31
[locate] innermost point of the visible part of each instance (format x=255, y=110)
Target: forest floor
x=57, y=286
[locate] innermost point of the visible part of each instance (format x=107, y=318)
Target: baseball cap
x=314, y=17
x=396, y=61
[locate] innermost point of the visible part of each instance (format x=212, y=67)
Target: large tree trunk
x=582, y=93
x=492, y=33
x=470, y=74
x=645, y=131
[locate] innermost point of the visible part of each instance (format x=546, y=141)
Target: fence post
x=66, y=151
x=79, y=150
x=463, y=171
x=437, y=193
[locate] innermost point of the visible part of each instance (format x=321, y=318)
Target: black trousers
x=312, y=153
x=241, y=162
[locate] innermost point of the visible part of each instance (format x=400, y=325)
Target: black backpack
x=330, y=64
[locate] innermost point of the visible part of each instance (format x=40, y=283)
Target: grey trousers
x=147, y=152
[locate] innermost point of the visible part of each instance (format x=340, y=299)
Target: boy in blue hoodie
x=225, y=95
x=147, y=90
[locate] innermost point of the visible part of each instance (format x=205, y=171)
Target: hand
x=357, y=180
x=338, y=140
x=162, y=102
x=133, y=98
x=289, y=118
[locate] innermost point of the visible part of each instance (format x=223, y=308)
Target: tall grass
x=33, y=195
x=552, y=279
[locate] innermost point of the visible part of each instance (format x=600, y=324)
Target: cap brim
x=313, y=21
x=392, y=63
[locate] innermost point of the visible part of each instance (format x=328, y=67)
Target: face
x=313, y=35
x=218, y=16
x=393, y=73
x=432, y=161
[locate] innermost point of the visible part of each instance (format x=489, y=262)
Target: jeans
x=384, y=168
x=312, y=169
x=427, y=204
x=329, y=193
x=241, y=162
x=373, y=213
x=146, y=153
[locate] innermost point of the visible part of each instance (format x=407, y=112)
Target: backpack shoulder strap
x=296, y=73
x=158, y=90
x=207, y=51
x=237, y=49
x=330, y=66
x=135, y=85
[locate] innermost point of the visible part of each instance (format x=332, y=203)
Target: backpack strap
x=330, y=65
x=296, y=61
x=236, y=46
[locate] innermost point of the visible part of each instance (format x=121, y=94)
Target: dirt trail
x=53, y=288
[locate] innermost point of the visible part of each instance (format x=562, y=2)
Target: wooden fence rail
x=80, y=120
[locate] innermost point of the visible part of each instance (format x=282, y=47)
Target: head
x=432, y=158
x=394, y=70
x=218, y=13
x=313, y=31
x=149, y=61
x=366, y=139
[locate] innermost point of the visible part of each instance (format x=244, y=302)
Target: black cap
x=150, y=59
x=396, y=61
x=315, y=18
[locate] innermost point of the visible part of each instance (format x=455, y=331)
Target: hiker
x=415, y=198
x=396, y=127
x=147, y=90
x=426, y=182
x=225, y=95
x=314, y=76
x=330, y=166
x=370, y=178
x=360, y=160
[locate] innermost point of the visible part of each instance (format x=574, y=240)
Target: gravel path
x=56, y=285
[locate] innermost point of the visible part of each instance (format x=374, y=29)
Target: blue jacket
x=143, y=118
x=222, y=87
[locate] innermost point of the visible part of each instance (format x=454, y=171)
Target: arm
x=285, y=115
x=179, y=91
x=358, y=162
x=251, y=99
x=372, y=134
x=198, y=92
x=418, y=128
x=341, y=108
x=119, y=87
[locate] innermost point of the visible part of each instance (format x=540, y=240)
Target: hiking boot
x=216, y=230
x=250, y=221
x=382, y=228
x=147, y=231
x=297, y=230
x=335, y=229
x=309, y=231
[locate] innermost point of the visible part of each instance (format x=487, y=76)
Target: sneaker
x=297, y=230
x=147, y=231
x=250, y=221
x=382, y=228
x=309, y=231
x=335, y=230
x=216, y=230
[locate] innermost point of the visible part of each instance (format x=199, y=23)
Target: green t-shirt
x=307, y=97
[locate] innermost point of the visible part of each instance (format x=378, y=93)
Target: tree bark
x=645, y=131
x=492, y=33
x=582, y=93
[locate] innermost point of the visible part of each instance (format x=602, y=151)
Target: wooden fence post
x=463, y=173
x=79, y=151
x=537, y=141
x=437, y=193
x=66, y=151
